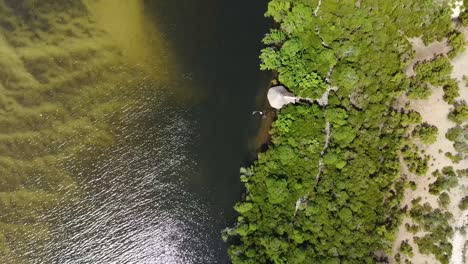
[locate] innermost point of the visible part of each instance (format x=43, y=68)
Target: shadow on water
x=164, y=187
x=219, y=43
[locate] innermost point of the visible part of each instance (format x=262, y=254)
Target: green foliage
x=457, y=42
x=455, y=134
x=311, y=86
x=416, y=200
x=270, y=59
x=416, y=163
x=289, y=61
x=298, y=20
x=303, y=214
x=462, y=172
x=450, y=91
x=444, y=200
x=430, y=19
x=426, y=133
x=438, y=231
x=412, y=185
x=277, y=189
x=277, y=180
x=406, y=248
x=463, y=205
x=278, y=10
x=463, y=17
x=412, y=228
x=459, y=136
x=286, y=173
x=459, y=113
x=275, y=37
x=462, y=147
x=397, y=258
x=454, y=158
x=436, y=244
x=436, y=71
x=410, y=118
x=418, y=90
x=243, y=207
x=446, y=180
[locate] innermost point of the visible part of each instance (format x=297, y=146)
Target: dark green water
x=136, y=169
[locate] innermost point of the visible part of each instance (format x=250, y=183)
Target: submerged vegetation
x=57, y=70
x=328, y=189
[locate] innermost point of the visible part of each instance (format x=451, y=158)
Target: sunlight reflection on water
x=136, y=208
x=143, y=159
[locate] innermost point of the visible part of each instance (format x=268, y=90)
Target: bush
x=463, y=205
x=462, y=173
x=406, y=248
x=455, y=133
x=459, y=113
x=436, y=71
x=416, y=163
x=456, y=41
x=450, y=91
x=275, y=37
x=461, y=147
x=463, y=18
x=444, y=200
x=446, y=180
x=454, y=158
x=437, y=244
x=459, y=136
x=418, y=90
x=412, y=228
x=410, y=118
x=412, y=185
x=426, y=133
x=397, y=258
x=438, y=231
x=416, y=200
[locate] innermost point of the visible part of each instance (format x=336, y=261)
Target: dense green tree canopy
x=312, y=200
